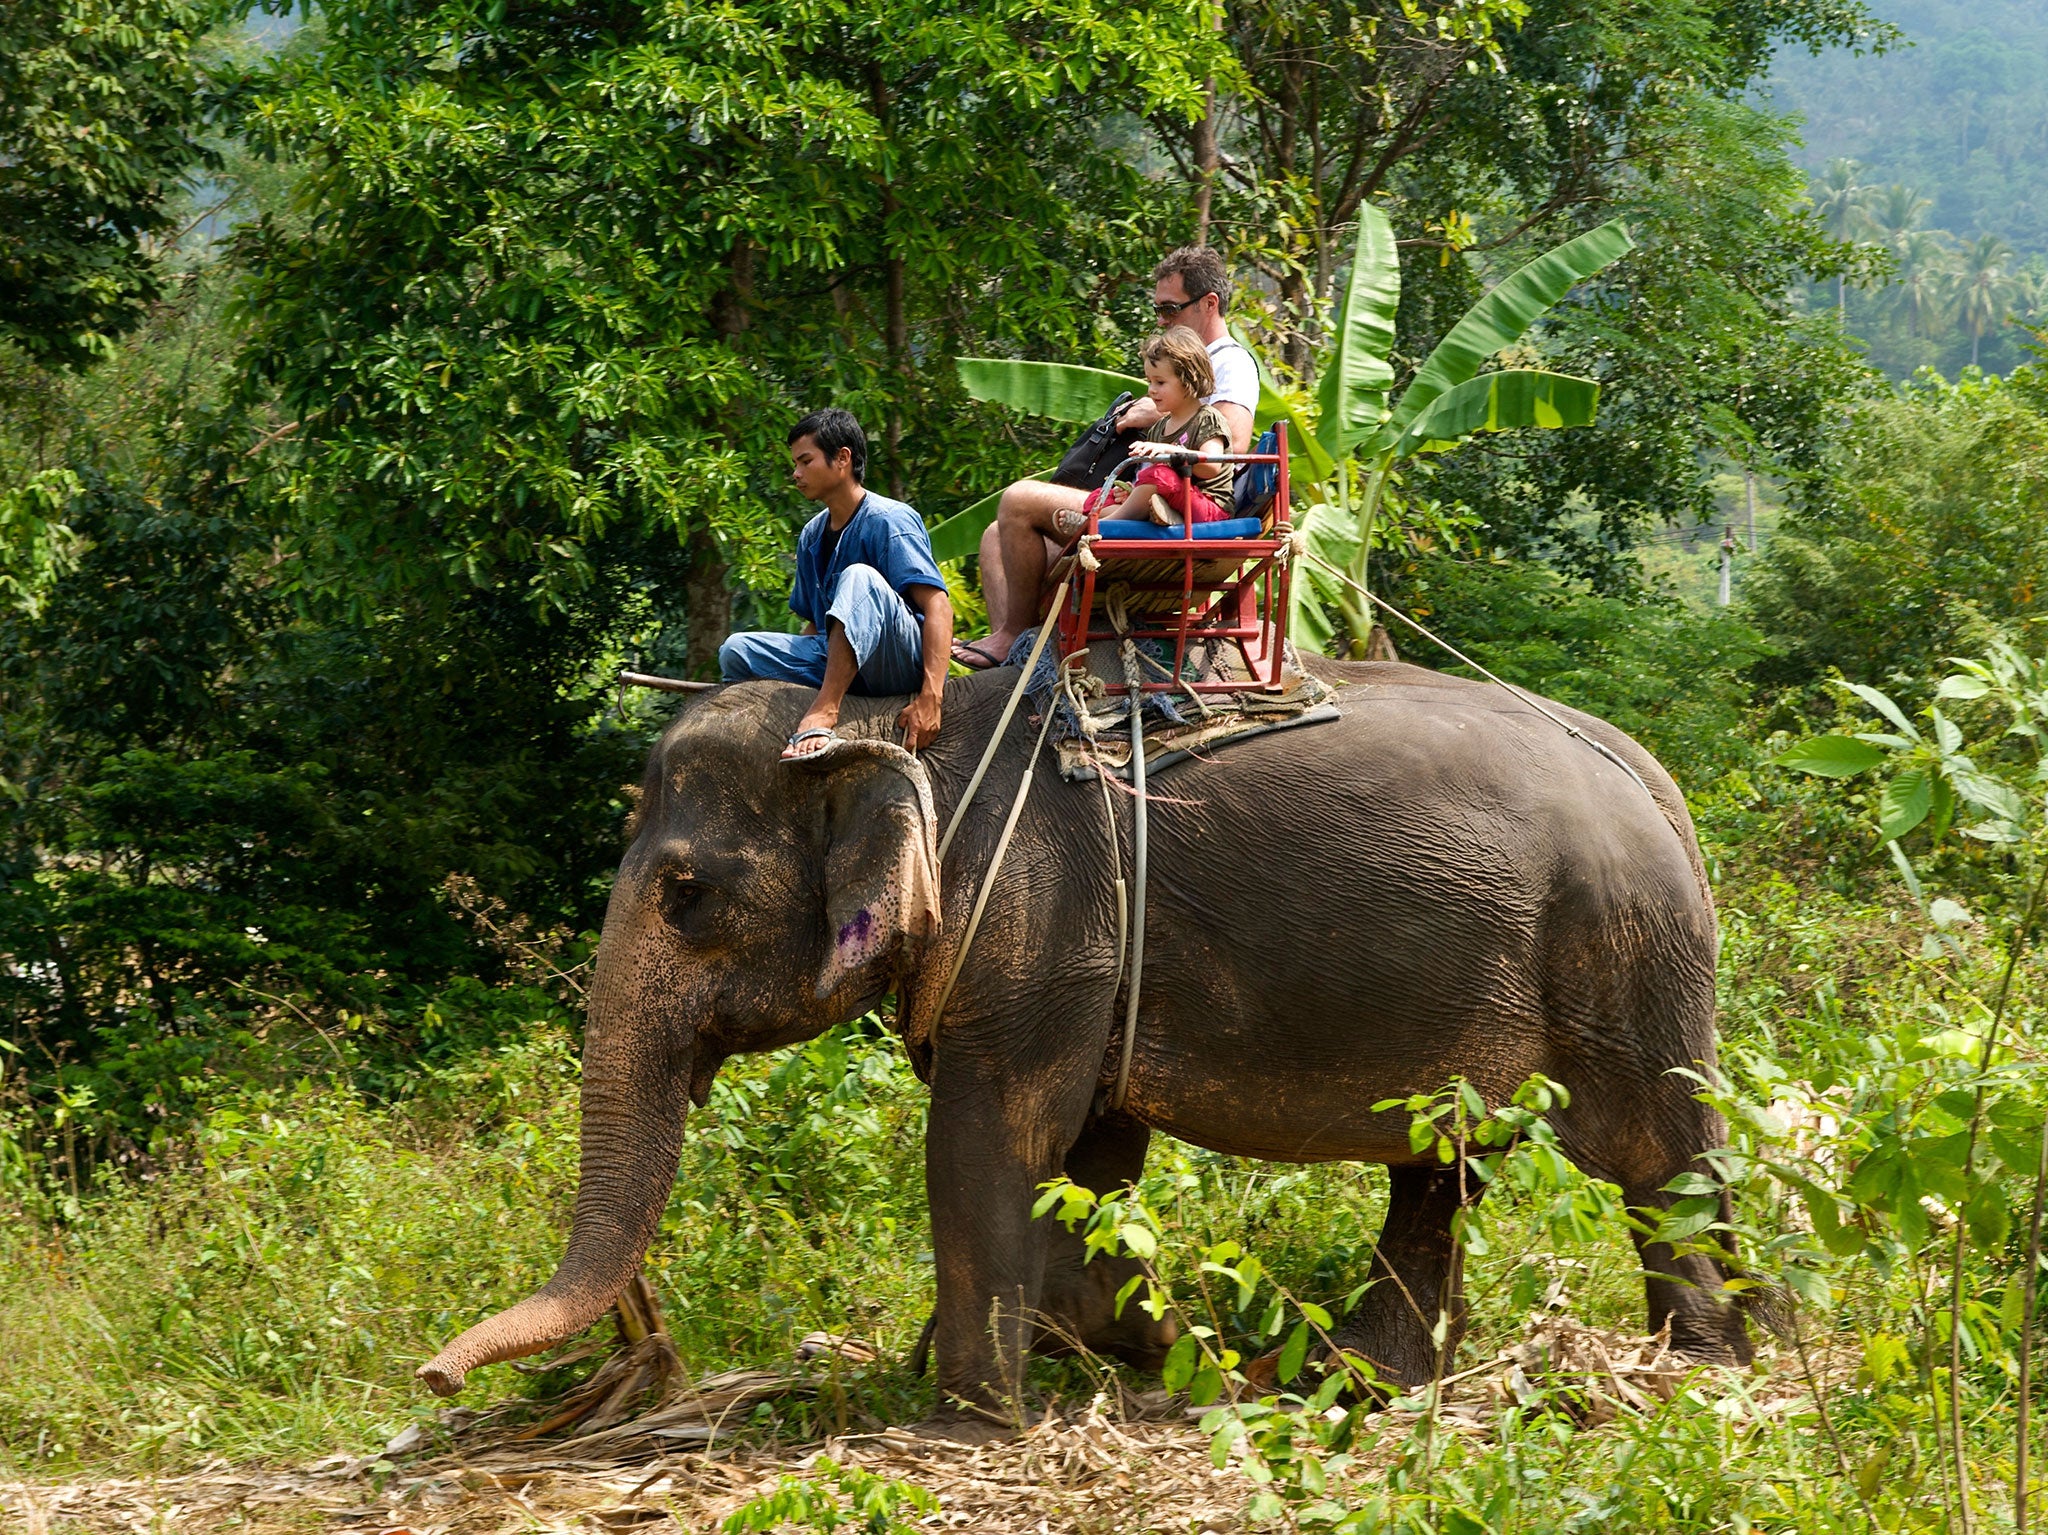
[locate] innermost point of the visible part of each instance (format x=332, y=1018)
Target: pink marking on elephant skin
x=857, y=935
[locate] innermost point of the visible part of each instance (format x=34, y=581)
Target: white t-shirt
x=1237, y=376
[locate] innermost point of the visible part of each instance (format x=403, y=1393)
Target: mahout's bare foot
x=814, y=732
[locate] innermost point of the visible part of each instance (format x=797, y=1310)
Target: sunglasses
x=1168, y=311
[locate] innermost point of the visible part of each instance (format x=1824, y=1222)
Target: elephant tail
x=1765, y=1305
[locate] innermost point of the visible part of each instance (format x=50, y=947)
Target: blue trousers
x=887, y=641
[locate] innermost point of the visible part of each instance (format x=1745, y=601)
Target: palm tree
x=2030, y=299
x=1892, y=214
x=1838, y=204
x=1983, y=287
x=1926, y=282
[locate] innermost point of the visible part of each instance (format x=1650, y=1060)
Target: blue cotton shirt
x=883, y=533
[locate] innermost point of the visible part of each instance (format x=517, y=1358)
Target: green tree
x=1893, y=213
x=574, y=275
x=1939, y=522
x=1838, y=202
x=1924, y=296
x=1983, y=288
x=101, y=116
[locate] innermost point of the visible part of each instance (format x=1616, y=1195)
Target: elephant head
x=758, y=904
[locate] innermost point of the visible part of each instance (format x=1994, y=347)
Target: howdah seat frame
x=1185, y=590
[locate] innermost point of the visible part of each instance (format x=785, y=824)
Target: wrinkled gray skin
x=1441, y=883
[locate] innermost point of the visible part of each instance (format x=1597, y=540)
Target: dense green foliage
x=1960, y=113
x=100, y=116
x=1933, y=532
x=1931, y=155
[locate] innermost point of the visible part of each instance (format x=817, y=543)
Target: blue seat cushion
x=1230, y=527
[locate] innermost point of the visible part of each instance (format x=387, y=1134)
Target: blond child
x=1177, y=374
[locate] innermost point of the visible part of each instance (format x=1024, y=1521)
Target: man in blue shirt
x=877, y=619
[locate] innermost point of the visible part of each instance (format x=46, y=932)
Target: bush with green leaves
x=833, y=1497
x=1933, y=533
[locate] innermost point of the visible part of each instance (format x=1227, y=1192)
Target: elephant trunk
x=636, y=1076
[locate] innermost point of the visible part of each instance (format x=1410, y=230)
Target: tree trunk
x=895, y=321
x=707, y=604
x=1207, y=159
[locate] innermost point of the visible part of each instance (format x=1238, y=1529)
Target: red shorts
x=1182, y=495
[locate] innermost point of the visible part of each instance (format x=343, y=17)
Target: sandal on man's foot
x=816, y=733
x=974, y=658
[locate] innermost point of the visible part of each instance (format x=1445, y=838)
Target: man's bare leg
x=841, y=667
x=1024, y=520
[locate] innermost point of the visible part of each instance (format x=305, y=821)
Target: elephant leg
x=1002, y=1120
x=1077, y=1309
x=1641, y=1142
x=1686, y=1292
x=1418, y=1274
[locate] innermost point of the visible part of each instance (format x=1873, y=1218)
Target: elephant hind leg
x=1685, y=1291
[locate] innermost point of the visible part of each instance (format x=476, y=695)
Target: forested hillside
x=1946, y=136
x=378, y=378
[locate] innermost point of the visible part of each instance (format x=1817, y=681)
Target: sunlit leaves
x=101, y=114
x=1831, y=756
x=562, y=283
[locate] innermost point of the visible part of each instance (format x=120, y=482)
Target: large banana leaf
x=1500, y=320
x=960, y=534
x=1332, y=534
x=1500, y=402
x=1351, y=395
x=1064, y=391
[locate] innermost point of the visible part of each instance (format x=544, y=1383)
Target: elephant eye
x=680, y=897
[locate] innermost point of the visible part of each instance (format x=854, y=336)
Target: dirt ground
x=1096, y=1468
x=1080, y=1473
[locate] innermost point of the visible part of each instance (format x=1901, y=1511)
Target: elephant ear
x=881, y=861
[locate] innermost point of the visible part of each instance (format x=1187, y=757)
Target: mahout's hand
x=919, y=721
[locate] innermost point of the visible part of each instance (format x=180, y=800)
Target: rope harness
x=1130, y=899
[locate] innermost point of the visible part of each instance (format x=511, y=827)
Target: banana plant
x=1357, y=438
x=1448, y=401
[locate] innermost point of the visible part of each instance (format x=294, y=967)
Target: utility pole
x=1749, y=497
x=1727, y=562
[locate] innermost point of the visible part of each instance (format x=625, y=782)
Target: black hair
x=1200, y=270
x=832, y=429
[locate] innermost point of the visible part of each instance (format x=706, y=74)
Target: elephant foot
x=963, y=1428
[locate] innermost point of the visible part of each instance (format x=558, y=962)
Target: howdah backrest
x=1257, y=482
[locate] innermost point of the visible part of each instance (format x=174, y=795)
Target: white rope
x=995, y=864
x=1086, y=722
x=1297, y=547
x=1134, y=681
x=995, y=740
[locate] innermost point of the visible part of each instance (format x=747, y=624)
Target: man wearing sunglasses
x=1192, y=288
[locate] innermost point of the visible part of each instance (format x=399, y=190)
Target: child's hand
x=1119, y=495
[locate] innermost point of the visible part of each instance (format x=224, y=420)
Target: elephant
x=1441, y=882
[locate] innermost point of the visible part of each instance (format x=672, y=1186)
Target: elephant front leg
x=990, y=1145
x=1078, y=1307
x=1417, y=1278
